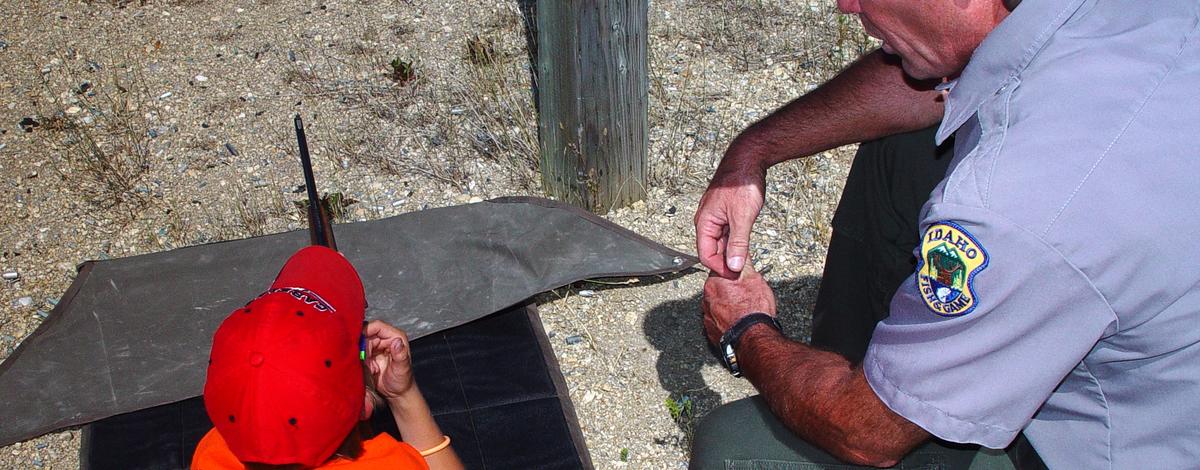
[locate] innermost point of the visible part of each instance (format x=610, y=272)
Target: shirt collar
x=1004, y=53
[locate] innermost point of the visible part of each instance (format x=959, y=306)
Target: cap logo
x=309, y=297
x=950, y=259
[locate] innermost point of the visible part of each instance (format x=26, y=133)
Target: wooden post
x=592, y=99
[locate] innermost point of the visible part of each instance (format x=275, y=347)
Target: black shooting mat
x=493, y=386
x=135, y=333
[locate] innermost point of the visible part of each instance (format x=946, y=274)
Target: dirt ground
x=130, y=127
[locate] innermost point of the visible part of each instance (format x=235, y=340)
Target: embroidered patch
x=950, y=259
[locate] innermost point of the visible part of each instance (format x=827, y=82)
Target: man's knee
x=713, y=442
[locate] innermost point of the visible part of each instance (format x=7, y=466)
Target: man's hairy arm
x=821, y=397
x=871, y=98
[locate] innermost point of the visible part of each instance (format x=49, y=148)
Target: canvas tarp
x=135, y=332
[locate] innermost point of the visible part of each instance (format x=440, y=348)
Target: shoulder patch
x=950, y=259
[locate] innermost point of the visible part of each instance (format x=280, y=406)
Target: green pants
x=744, y=435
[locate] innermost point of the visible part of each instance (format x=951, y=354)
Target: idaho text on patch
x=950, y=259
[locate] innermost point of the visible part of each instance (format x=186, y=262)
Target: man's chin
x=919, y=73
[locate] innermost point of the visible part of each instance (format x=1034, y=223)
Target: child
x=290, y=377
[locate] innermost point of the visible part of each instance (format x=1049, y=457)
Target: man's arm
x=824, y=399
x=817, y=394
x=870, y=99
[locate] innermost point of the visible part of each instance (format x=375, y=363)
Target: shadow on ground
x=675, y=329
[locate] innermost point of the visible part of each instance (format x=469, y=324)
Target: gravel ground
x=130, y=127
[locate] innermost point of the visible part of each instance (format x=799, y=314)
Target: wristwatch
x=733, y=335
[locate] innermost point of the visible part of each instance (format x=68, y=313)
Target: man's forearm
x=870, y=99
x=821, y=397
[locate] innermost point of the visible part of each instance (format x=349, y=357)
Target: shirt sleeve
x=985, y=330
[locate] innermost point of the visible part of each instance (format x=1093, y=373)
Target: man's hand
x=389, y=360
x=727, y=211
x=728, y=300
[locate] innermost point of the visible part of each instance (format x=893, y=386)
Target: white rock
x=201, y=78
x=74, y=110
x=25, y=301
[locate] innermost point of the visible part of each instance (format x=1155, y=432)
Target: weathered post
x=592, y=85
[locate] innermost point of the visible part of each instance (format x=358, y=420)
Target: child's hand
x=389, y=360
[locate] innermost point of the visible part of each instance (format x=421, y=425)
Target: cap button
x=256, y=359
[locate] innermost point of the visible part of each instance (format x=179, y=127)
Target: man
x=288, y=380
x=1045, y=299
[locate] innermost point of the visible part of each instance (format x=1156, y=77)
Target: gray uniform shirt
x=1059, y=281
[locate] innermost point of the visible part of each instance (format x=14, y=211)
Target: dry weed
x=97, y=136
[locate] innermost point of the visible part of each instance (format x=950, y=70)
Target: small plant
x=624, y=454
x=680, y=410
x=683, y=413
x=402, y=71
x=100, y=144
x=334, y=204
x=481, y=51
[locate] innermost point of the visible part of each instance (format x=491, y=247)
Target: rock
x=573, y=339
x=3, y=45
x=200, y=78
x=27, y=124
x=12, y=276
x=165, y=95
x=587, y=293
x=671, y=211
x=74, y=110
x=25, y=301
x=232, y=150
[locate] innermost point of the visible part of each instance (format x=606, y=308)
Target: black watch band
x=733, y=335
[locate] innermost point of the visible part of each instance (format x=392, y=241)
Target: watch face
x=730, y=360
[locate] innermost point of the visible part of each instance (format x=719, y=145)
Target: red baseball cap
x=285, y=382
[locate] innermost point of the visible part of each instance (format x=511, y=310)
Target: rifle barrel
x=320, y=229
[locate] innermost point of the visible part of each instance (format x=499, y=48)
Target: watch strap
x=732, y=336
